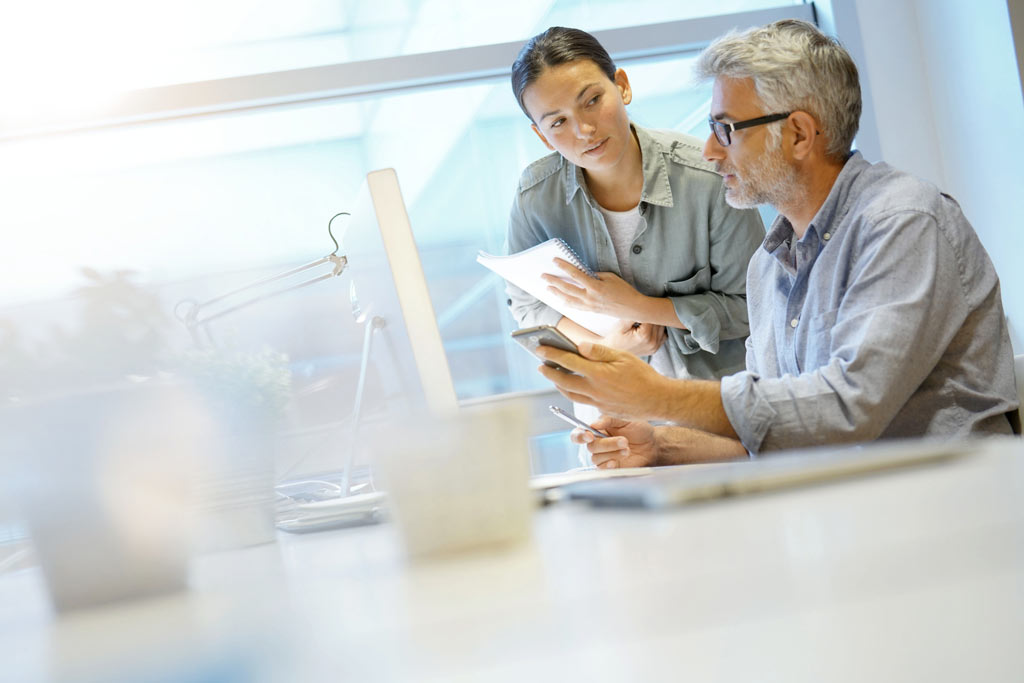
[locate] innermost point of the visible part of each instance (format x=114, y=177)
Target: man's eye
x=557, y=123
x=593, y=100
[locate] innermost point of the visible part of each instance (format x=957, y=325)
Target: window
x=238, y=141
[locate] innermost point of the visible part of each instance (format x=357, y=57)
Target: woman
x=639, y=206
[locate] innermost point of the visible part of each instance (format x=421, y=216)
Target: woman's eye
x=593, y=100
x=557, y=123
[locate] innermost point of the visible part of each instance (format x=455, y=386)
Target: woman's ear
x=622, y=83
x=541, y=136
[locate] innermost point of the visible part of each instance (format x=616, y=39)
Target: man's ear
x=805, y=134
x=622, y=83
x=541, y=136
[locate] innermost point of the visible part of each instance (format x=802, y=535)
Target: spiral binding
x=574, y=258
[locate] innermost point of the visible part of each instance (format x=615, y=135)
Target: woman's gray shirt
x=691, y=247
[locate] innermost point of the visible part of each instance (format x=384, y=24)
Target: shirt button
x=827, y=236
x=637, y=248
x=794, y=322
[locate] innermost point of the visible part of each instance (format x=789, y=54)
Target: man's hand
x=631, y=444
x=622, y=385
x=617, y=382
x=640, y=444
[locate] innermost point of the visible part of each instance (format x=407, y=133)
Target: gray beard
x=770, y=180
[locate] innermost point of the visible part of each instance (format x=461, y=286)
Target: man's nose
x=713, y=150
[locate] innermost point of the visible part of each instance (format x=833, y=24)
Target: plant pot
x=108, y=475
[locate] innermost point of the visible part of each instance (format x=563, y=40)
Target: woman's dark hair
x=557, y=45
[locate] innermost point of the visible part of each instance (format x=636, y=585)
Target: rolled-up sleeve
x=715, y=307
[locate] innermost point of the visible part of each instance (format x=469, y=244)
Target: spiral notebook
x=524, y=270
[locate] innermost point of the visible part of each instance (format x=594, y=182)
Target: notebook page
x=524, y=269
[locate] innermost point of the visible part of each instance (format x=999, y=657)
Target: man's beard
x=768, y=180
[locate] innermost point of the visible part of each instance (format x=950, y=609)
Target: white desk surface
x=908, y=576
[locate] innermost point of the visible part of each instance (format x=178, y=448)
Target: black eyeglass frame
x=723, y=131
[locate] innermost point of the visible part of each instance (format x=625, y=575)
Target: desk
x=915, y=575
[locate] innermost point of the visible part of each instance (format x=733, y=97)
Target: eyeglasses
x=723, y=131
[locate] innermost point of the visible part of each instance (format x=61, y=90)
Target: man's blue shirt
x=883, y=321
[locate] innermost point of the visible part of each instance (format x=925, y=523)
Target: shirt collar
x=837, y=203
x=778, y=242
x=657, y=189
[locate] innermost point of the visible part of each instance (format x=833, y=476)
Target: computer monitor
x=389, y=291
x=404, y=371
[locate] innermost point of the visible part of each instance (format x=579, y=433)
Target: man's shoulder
x=881, y=191
x=887, y=201
x=540, y=170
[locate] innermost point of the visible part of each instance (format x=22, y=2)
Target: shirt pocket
x=813, y=345
x=695, y=284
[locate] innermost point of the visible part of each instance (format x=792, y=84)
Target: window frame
x=380, y=76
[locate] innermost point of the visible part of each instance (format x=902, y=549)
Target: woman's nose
x=584, y=129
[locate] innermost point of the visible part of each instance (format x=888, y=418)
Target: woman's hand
x=630, y=444
x=607, y=293
x=641, y=339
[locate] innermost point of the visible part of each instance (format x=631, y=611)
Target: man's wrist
x=660, y=455
x=661, y=396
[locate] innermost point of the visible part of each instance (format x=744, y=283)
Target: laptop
x=664, y=487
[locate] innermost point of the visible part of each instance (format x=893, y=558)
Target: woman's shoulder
x=540, y=170
x=679, y=148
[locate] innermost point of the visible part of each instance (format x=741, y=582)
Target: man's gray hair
x=794, y=67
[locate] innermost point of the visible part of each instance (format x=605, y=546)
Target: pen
x=576, y=422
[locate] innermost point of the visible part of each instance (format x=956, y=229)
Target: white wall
x=946, y=104
x=1016, y=8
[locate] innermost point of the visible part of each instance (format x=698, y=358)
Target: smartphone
x=576, y=422
x=546, y=335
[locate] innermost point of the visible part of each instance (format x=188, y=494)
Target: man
x=874, y=310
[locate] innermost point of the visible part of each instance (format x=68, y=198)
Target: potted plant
x=247, y=392
x=109, y=428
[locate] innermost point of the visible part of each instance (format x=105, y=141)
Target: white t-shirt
x=622, y=226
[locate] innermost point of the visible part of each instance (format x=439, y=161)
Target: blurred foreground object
x=459, y=483
x=118, y=439
x=108, y=479
x=246, y=393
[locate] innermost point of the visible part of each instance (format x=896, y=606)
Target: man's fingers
x=615, y=444
x=599, y=352
x=581, y=436
x=606, y=422
x=560, y=378
x=566, y=384
x=567, y=359
x=607, y=460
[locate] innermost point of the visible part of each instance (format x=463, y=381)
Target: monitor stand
x=333, y=500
